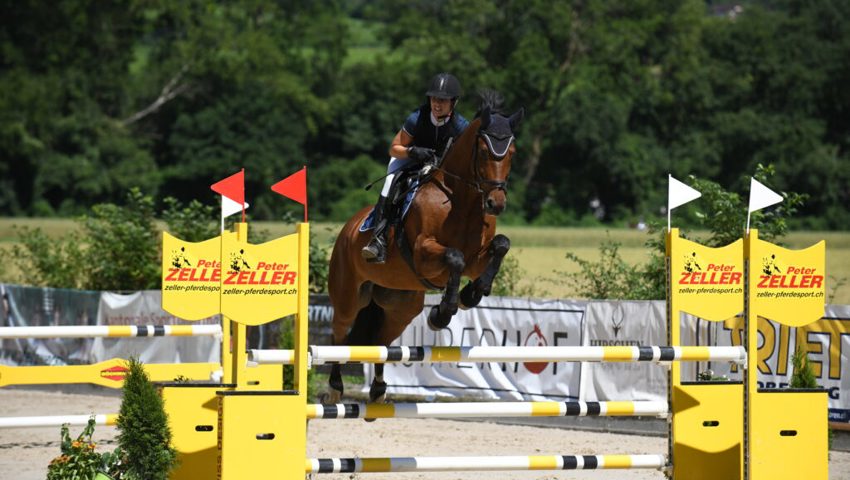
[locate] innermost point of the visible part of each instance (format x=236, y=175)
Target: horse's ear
x=485, y=118
x=516, y=119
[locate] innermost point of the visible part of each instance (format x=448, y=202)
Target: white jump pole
x=108, y=331
x=495, y=463
x=341, y=354
x=487, y=409
x=57, y=420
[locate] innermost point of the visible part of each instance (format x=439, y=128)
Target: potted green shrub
x=145, y=437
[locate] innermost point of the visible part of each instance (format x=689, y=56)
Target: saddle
x=400, y=197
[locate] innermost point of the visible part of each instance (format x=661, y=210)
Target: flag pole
x=668, y=201
x=304, y=167
x=243, y=201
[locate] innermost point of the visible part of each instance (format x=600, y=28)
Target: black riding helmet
x=444, y=85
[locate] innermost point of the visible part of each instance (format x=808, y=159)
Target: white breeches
x=395, y=165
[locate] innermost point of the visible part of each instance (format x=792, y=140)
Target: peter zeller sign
x=191, y=277
x=260, y=282
x=250, y=284
x=787, y=285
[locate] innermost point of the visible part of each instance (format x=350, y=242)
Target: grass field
x=541, y=251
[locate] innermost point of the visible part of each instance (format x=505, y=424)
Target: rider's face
x=441, y=107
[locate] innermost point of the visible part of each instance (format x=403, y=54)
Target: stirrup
x=375, y=251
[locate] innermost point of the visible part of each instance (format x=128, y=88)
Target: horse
x=449, y=232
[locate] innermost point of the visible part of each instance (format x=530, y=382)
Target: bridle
x=488, y=137
x=481, y=184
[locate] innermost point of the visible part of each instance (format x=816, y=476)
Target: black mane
x=488, y=98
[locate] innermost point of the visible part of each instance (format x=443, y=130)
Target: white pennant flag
x=229, y=207
x=678, y=194
x=760, y=197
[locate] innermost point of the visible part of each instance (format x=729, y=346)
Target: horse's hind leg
x=400, y=306
x=335, y=385
x=472, y=293
x=347, y=305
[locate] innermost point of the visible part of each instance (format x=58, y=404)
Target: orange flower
x=76, y=444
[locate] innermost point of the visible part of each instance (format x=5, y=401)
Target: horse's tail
x=365, y=329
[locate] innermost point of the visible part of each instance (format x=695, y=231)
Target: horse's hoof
x=331, y=398
x=377, y=394
x=469, y=297
x=436, y=322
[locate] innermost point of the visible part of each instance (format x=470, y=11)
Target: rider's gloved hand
x=420, y=154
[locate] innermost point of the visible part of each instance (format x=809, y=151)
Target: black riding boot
x=376, y=250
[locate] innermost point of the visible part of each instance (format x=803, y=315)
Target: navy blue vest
x=425, y=134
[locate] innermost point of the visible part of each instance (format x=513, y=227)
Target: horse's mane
x=488, y=98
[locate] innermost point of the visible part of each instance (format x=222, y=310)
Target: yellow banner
x=787, y=286
x=260, y=282
x=708, y=282
x=191, y=277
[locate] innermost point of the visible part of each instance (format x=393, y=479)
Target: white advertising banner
x=495, y=322
x=143, y=308
x=626, y=324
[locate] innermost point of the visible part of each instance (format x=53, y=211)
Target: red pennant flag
x=232, y=187
x=294, y=187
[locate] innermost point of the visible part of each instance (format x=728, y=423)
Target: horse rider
x=425, y=133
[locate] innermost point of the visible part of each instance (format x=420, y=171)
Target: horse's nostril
x=492, y=207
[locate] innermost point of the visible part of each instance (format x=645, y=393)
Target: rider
x=425, y=133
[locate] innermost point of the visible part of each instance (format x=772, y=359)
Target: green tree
x=64, y=71
x=339, y=187
x=192, y=222
x=122, y=245
x=144, y=435
x=44, y=261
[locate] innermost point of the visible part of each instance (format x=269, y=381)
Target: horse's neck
x=460, y=172
x=465, y=198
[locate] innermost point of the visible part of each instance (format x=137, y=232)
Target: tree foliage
x=169, y=97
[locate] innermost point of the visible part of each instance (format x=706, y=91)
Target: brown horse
x=450, y=231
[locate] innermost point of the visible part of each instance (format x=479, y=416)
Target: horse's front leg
x=442, y=314
x=472, y=293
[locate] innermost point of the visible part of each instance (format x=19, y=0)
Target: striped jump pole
x=108, y=331
x=410, y=410
x=57, y=421
x=487, y=409
x=497, y=463
x=341, y=354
